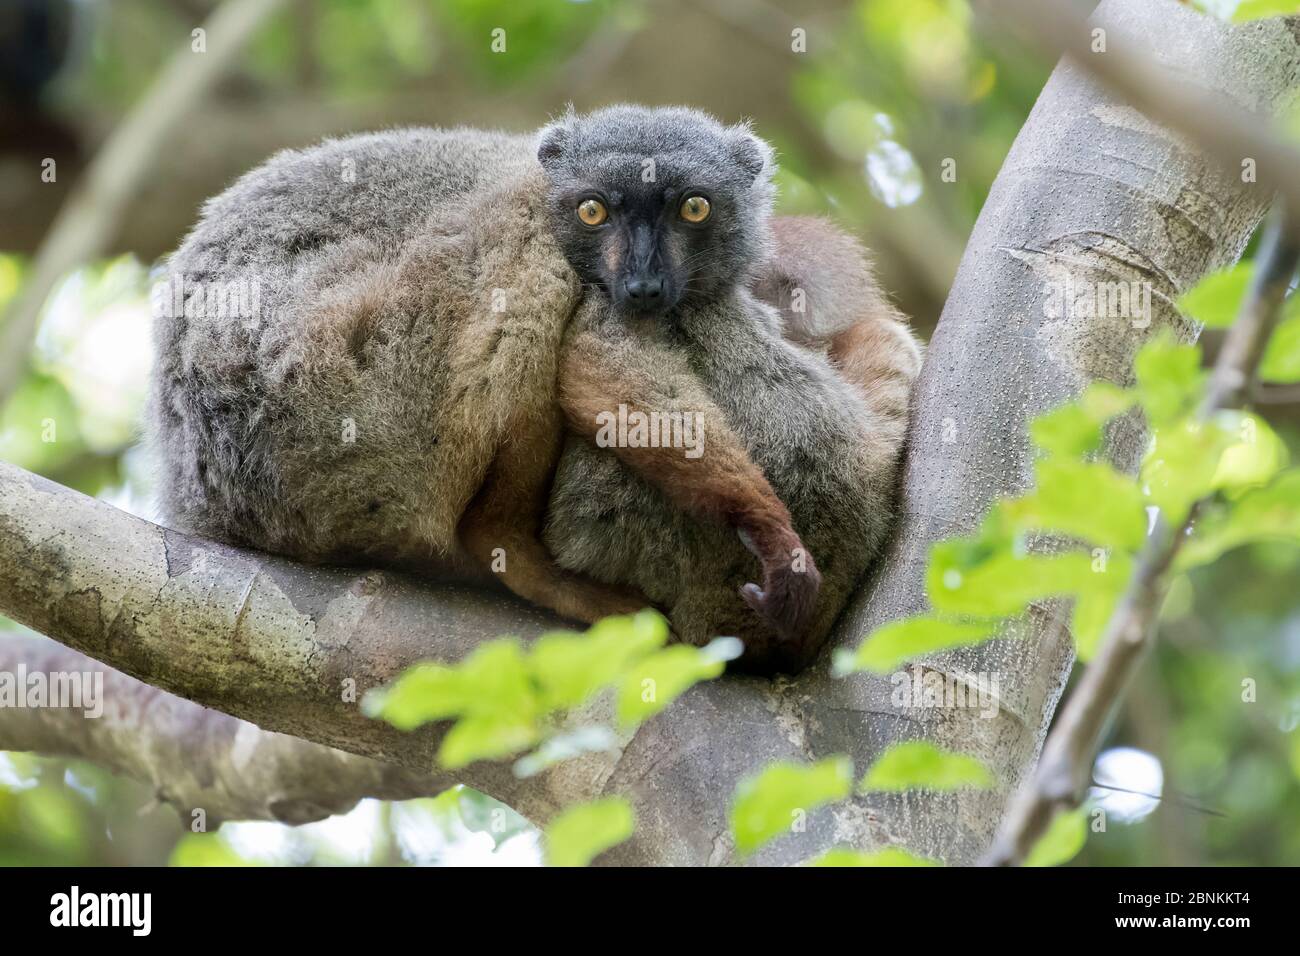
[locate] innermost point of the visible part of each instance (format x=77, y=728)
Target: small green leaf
x=572, y=667
x=1259, y=9
x=421, y=693
x=1281, y=361
x=654, y=682
x=493, y=679
x=1089, y=501
x=1217, y=298
x=1181, y=466
x=900, y=641
x=1003, y=584
x=1271, y=513
x=768, y=804
x=580, y=834
x=1091, y=613
x=485, y=737
x=1169, y=379
x=889, y=856
x=1065, y=837
x=206, y=849
x=920, y=765
x=1075, y=428
x=1254, y=458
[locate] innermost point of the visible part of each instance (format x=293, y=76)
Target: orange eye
x=592, y=212
x=695, y=209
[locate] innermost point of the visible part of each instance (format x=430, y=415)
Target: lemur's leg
x=501, y=528
x=504, y=362
x=880, y=357
x=605, y=368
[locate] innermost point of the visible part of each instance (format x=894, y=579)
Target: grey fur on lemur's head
x=657, y=205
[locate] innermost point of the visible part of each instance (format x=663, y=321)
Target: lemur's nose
x=647, y=290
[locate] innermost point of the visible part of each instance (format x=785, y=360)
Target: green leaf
x=421, y=693
x=1169, y=379
x=1089, y=501
x=1271, y=513
x=486, y=737
x=580, y=834
x=1254, y=458
x=889, y=856
x=1004, y=584
x=653, y=682
x=920, y=765
x=572, y=667
x=900, y=641
x=492, y=680
x=1258, y=9
x=1217, y=298
x=768, y=804
x=1181, y=466
x=1075, y=428
x=1091, y=613
x=1281, y=361
x=1065, y=837
x=206, y=849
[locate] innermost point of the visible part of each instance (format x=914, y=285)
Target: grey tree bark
x=1091, y=190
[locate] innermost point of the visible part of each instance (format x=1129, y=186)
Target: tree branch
x=1182, y=100
x=85, y=223
x=193, y=757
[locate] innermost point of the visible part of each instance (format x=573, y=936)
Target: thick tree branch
x=1065, y=770
x=287, y=647
x=193, y=757
x=1230, y=132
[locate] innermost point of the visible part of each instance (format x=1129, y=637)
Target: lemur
x=424, y=325
x=802, y=397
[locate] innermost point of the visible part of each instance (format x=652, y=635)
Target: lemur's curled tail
x=820, y=279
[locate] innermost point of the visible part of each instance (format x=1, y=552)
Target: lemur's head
x=657, y=205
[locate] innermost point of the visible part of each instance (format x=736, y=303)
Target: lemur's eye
x=592, y=212
x=695, y=209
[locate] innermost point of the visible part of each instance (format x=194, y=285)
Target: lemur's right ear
x=750, y=152
x=553, y=139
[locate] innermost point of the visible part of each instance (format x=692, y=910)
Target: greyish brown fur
x=400, y=394
x=398, y=374
x=824, y=419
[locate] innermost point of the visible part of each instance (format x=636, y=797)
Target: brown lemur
x=398, y=393
x=668, y=215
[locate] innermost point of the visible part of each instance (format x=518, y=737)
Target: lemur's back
x=307, y=418
x=377, y=185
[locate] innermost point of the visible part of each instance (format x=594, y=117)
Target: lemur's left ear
x=553, y=139
x=752, y=154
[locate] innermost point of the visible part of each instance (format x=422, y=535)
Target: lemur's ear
x=752, y=154
x=553, y=139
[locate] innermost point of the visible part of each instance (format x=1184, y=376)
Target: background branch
x=85, y=222
x=194, y=757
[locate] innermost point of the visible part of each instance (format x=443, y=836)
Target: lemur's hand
x=787, y=602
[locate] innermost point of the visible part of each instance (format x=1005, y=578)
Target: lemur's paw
x=787, y=602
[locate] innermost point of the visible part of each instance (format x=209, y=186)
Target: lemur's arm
x=608, y=366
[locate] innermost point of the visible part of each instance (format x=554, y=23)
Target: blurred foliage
x=505, y=698
x=889, y=92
